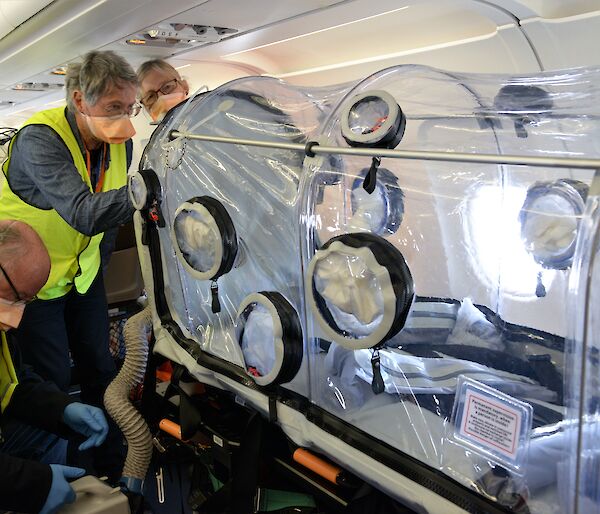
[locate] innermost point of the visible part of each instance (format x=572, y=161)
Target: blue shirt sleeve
x=42, y=173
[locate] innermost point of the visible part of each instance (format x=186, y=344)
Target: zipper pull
x=520, y=129
x=371, y=177
x=214, y=290
x=540, y=290
x=377, y=385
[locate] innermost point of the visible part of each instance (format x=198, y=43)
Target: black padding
x=388, y=256
x=153, y=187
x=293, y=347
x=292, y=337
x=227, y=230
x=391, y=138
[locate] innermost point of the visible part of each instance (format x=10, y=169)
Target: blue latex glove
x=60, y=490
x=88, y=421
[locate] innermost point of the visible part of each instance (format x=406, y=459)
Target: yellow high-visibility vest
x=8, y=376
x=75, y=257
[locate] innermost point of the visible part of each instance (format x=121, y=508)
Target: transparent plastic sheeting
x=258, y=344
x=257, y=187
x=435, y=309
x=197, y=239
x=351, y=292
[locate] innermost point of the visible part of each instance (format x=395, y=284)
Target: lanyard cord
x=88, y=158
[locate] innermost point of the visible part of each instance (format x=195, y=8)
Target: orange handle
x=171, y=428
x=163, y=376
x=319, y=466
x=164, y=372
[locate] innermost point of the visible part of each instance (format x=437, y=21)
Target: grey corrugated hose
x=118, y=405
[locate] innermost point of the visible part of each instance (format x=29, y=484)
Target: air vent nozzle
x=179, y=35
x=36, y=86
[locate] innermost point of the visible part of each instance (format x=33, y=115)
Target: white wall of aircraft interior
x=319, y=43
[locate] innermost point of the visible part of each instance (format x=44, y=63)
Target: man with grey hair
x=33, y=414
x=66, y=176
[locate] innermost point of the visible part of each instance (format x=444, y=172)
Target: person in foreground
x=34, y=415
x=66, y=176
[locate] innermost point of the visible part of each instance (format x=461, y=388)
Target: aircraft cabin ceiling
x=73, y=27
x=303, y=42
x=15, y=12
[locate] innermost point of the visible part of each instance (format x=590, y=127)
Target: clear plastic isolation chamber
x=437, y=316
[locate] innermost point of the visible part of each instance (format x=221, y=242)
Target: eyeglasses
x=166, y=89
x=12, y=286
x=20, y=301
x=114, y=114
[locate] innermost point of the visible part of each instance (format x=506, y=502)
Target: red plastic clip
x=253, y=371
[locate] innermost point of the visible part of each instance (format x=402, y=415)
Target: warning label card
x=490, y=423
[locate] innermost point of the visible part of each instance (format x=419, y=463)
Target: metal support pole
x=517, y=160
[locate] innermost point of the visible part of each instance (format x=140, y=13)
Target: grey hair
x=10, y=240
x=158, y=65
x=98, y=71
x=72, y=83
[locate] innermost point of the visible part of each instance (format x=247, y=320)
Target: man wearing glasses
x=33, y=414
x=66, y=176
x=161, y=88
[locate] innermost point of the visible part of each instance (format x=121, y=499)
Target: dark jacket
x=24, y=484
